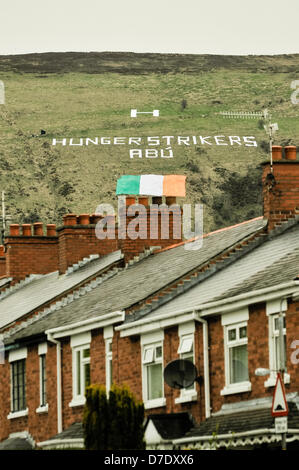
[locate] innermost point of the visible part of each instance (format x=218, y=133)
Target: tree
x=115, y=423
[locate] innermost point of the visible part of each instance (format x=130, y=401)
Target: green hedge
x=114, y=423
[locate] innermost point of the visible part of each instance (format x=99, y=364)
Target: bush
x=114, y=423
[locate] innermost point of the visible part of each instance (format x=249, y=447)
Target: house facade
x=76, y=310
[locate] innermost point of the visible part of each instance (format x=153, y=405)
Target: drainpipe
x=206, y=365
x=59, y=389
x=282, y=360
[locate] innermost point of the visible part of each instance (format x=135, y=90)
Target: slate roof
x=171, y=425
x=40, y=289
x=139, y=281
x=4, y=281
x=283, y=270
x=75, y=431
x=16, y=443
x=249, y=420
x=272, y=263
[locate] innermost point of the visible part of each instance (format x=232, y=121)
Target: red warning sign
x=279, y=402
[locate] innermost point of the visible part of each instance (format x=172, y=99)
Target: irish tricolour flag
x=152, y=185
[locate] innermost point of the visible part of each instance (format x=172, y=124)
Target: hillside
x=90, y=95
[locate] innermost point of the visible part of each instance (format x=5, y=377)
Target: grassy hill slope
x=79, y=95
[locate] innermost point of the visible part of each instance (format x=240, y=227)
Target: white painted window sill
x=42, y=409
x=79, y=401
x=157, y=403
x=17, y=414
x=236, y=388
x=186, y=397
x=271, y=381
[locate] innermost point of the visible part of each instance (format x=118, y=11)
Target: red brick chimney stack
x=155, y=218
x=2, y=262
x=281, y=185
x=29, y=251
x=77, y=240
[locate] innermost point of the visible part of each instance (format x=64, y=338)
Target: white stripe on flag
x=151, y=185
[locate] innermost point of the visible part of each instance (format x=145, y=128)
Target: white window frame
x=273, y=366
x=42, y=352
x=234, y=320
x=149, y=342
x=79, y=343
x=186, y=337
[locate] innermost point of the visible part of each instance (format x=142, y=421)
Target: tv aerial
x=269, y=126
x=180, y=373
x=4, y=218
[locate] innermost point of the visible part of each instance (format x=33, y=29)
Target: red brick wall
x=127, y=369
x=2, y=263
x=5, y=400
x=97, y=358
x=127, y=363
x=77, y=242
x=31, y=255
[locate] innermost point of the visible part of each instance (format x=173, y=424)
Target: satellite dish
x=180, y=373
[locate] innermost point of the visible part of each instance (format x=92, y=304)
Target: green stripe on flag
x=128, y=184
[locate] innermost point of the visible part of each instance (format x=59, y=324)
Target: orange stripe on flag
x=174, y=185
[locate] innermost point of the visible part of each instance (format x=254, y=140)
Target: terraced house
x=78, y=310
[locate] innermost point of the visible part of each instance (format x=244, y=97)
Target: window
x=237, y=353
x=18, y=381
x=186, y=352
x=109, y=370
x=43, y=380
x=274, y=352
x=275, y=335
x=43, y=406
x=82, y=366
x=80, y=344
x=153, y=371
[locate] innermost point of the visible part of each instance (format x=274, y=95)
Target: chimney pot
x=1, y=250
x=276, y=152
x=94, y=218
x=83, y=219
x=14, y=230
x=170, y=200
x=130, y=200
x=26, y=230
x=38, y=229
x=143, y=200
x=70, y=219
x=157, y=200
x=290, y=152
x=51, y=230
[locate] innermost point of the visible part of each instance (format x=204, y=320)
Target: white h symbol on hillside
x=134, y=112
x=2, y=93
